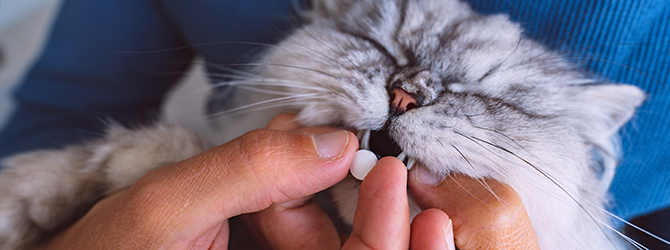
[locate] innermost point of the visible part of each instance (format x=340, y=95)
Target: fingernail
x=425, y=177
x=332, y=144
x=449, y=236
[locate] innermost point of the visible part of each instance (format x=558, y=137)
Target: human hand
x=186, y=205
x=381, y=220
x=484, y=217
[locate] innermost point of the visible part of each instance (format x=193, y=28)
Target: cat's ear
x=607, y=107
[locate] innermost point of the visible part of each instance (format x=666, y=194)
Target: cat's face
x=485, y=95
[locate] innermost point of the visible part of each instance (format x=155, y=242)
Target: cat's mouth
x=379, y=142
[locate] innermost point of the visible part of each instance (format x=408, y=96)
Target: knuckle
x=261, y=152
x=256, y=143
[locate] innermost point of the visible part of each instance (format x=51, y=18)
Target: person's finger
x=381, y=220
x=177, y=204
x=298, y=224
x=295, y=224
x=285, y=122
x=216, y=238
x=222, y=238
x=432, y=230
x=288, y=122
x=486, y=214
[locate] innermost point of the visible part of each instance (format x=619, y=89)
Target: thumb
x=486, y=214
x=247, y=174
x=279, y=166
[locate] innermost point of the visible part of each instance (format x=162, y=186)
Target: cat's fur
x=491, y=104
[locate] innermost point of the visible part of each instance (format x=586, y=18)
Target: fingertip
x=284, y=121
x=432, y=229
x=387, y=169
x=383, y=195
x=432, y=214
x=390, y=163
x=425, y=195
x=425, y=177
x=332, y=145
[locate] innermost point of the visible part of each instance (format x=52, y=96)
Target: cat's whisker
x=484, y=184
x=269, y=45
x=546, y=175
x=617, y=218
x=289, y=37
x=264, y=91
x=259, y=108
x=496, y=170
x=272, y=83
x=301, y=68
x=485, y=148
x=250, y=78
x=260, y=78
x=302, y=45
x=225, y=67
x=329, y=61
x=291, y=103
x=500, y=133
x=234, y=71
x=465, y=189
x=269, y=101
x=321, y=42
x=637, y=228
x=468, y=137
x=333, y=90
x=280, y=65
x=625, y=237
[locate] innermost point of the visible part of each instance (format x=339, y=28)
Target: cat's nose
x=402, y=101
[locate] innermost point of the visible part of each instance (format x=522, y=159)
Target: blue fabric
x=115, y=60
x=86, y=74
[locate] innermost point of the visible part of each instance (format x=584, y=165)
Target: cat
x=485, y=101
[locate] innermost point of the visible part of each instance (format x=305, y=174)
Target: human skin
x=486, y=214
x=270, y=175
x=186, y=205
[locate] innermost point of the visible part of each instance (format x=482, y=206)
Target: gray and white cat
x=485, y=102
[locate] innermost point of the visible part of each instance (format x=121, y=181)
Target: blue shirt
x=115, y=59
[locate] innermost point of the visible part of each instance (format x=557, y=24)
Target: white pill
x=363, y=162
